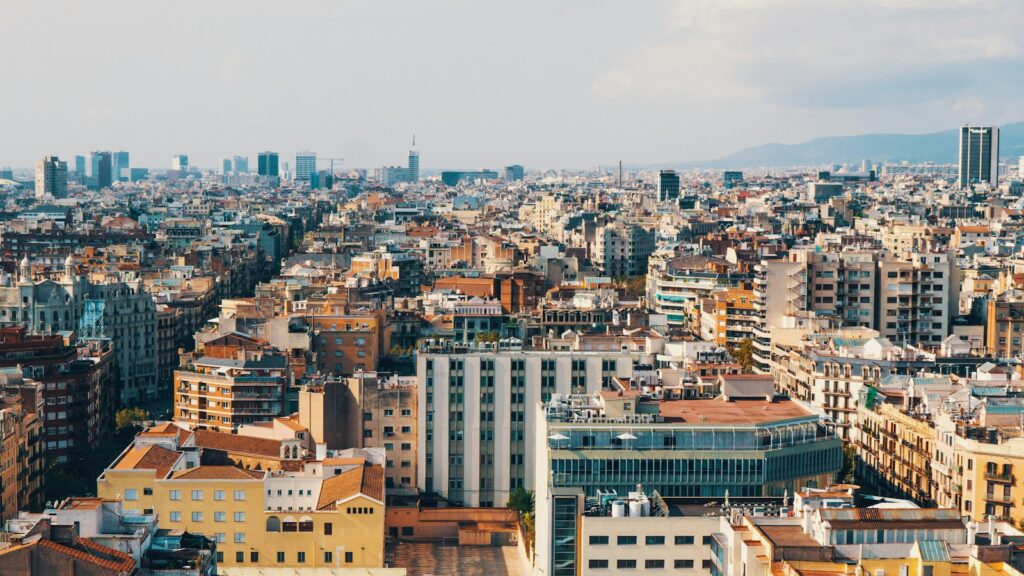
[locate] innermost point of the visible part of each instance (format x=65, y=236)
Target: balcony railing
x=998, y=477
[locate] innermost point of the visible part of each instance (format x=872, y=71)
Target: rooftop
x=718, y=411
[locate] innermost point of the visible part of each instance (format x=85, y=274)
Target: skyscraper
x=179, y=163
x=414, y=162
x=668, y=185
x=979, y=155
x=267, y=164
x=122, y=166
x=225, y=166
x=101, y=175
x=241, y=164
x=305, y=164
x=51, y=177
x=80, y=168
x=514, y=172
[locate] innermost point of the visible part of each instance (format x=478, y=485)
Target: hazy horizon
x=571, y=84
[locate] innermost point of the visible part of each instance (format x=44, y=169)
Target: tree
x=130, y=417
x=635, y=287
x=744, y=354
x=521, y=500
x=846, y=474
x=487, y=337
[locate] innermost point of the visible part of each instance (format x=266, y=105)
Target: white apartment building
x=476, y=420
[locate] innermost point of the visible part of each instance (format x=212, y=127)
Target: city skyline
x=628, y=82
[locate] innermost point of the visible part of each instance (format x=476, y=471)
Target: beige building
x=389, y=416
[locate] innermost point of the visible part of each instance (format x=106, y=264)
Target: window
x=621, y=564
x=684, y=563
x=301, y=557
x=328, y=528
x=197, y=495
x=220, y=516
x=407, y=530
x=625, y=541
x=348, y=557
x=220, y=557
x=706, y=540
x=598, y=564
x=654, y=564
x=175, y=495
x=175, y=516
x=406, y=412
x=328, y=557
x=218, y=495
x=239, y=495
x=197, y=516
x=654, y=540
x=131, y=494
x=280, y=557
x=147, y=491
x=595, y=540
x=239, y=556
x=684, y=540
x=705, y=564
x=220, y=537
x=254, y=556
x=239, y=516
x=239, y=537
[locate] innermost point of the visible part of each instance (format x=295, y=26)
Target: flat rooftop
x=788, y=535
x=718, y=411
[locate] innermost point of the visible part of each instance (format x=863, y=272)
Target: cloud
x=814, y=53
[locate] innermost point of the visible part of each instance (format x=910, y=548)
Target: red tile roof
x=237, y=444
x=114, y=561
x=219, y=473
x=367, y=480
x=152, y=457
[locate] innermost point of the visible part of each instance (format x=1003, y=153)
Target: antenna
x=413, y=139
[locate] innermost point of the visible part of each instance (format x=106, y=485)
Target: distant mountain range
x=939, y=147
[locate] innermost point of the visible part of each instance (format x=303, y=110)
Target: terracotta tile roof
x=156, y=458
x=373, y=482
x=367, y=480
x=86, y=550
x=219, y=473
x=238, y=444
x=167, y=429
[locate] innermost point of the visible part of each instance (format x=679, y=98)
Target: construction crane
x=331, y=160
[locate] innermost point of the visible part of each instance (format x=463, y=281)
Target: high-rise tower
x=51, y=177
x=414, y=162
x=979, y=155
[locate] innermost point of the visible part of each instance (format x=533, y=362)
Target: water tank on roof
x=636, y=509
x=618, y=508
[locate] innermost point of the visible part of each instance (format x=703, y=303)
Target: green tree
x=846, y=474
x=487, y=337
x=635, y=287
x=744, y=354
x=130, y=417
x=521, y=500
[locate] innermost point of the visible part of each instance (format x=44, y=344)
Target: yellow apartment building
x=320, y=513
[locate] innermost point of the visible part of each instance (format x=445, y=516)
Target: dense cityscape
x=543, y=288
x=307, y=369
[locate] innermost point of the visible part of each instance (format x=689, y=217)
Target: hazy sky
x=551, y=83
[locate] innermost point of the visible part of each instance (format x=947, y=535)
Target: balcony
x=999, y=498
x=999, y=478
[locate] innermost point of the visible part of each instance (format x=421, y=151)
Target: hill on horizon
x=939, y=147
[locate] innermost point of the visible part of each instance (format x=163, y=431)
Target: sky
x=487, y=83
